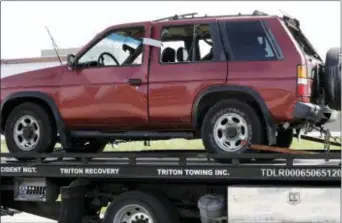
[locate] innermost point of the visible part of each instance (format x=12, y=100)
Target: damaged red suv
x=223, y=79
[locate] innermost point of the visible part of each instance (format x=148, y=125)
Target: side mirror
x=71, y=61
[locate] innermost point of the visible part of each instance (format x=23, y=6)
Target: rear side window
x=192, y=43
x=249, y=41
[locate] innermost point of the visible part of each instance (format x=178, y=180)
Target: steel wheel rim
x=26, y=133
x=225, y=126
x=133, y=213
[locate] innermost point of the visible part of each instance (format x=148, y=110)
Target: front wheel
x=29, y=128
x=228, y=124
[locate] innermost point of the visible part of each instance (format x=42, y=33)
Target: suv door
x=107, y=89
x=177, y=76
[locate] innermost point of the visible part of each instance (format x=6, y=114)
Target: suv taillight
x=303, y=84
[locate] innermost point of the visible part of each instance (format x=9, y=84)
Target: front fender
x=43, y=97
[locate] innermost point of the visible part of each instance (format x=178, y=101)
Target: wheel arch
x=210, y=96
x=40, y=98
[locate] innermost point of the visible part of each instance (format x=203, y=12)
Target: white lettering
x=11, y=169
x=301, y=172
x=29, y=170
x=107, y=171
x=71, y=170
x=219, y=172
x=170, y=172
x=191, y=172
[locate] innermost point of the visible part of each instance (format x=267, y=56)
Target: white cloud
x=74, y=23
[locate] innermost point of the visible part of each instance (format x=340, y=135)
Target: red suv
x=223, y=79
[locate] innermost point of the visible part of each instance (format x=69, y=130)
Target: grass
x=186, y=145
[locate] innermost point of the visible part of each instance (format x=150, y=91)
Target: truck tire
x=91, y=146
x=229, y=121
x=137, y=206
x=29, y=128
x=331, y=80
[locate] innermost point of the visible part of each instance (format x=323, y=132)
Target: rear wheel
x=136, y=206
x=228, y=124
x=29, y=128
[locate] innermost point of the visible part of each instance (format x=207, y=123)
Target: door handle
x=135, y=82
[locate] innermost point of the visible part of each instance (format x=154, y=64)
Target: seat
x=168, y=55
x=182, y=54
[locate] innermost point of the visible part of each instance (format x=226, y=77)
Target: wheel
x=140, y=207
x=284, y=138
x=29, y=128
x=87, y=146
x=331, y=79
x=228, y=123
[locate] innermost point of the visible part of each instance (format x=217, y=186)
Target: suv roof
x=193, y=16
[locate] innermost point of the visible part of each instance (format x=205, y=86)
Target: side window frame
x=104, y=35
x=219, y=53
x=272, y=41
x=274, y=45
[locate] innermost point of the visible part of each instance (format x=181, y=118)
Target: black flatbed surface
x=175, y=165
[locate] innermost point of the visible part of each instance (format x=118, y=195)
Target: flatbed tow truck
x=166, y=186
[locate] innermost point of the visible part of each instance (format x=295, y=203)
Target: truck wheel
x=91, y=146
x=136, y=206
x=228, y=123
x=29, y=128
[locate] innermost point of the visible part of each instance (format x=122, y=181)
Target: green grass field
x=186, y=144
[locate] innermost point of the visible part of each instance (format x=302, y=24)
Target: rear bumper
x=313, y=113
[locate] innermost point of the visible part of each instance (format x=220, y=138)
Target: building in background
x=47, y=59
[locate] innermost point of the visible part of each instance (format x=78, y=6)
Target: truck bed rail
x=176, y=165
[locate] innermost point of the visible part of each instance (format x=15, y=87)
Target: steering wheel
x=101, y=58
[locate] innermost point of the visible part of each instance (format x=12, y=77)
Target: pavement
x=25, y=218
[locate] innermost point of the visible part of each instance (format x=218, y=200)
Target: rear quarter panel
x=276, y=81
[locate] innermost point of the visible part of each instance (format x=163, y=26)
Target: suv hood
x=46, y=77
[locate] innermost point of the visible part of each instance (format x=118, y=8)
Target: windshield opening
x=116, y=49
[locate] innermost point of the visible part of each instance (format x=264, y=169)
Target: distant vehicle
x=224, y=79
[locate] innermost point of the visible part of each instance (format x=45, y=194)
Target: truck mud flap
x=72, y=205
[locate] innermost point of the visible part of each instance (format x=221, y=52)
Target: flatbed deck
x=173, y=173
x=176, y=165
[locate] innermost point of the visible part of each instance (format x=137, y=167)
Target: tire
x=90, y=146
x=40, y=122
x=284, y=138
x=158, y=208
x=253, y=125
x=331, y=80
